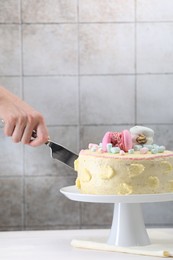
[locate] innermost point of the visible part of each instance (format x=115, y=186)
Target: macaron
x=106, y=140
x=127, y=140
x=123, y=140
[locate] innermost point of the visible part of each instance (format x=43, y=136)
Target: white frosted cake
x=125, y=163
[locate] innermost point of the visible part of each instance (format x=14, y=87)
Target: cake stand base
x=128, y=227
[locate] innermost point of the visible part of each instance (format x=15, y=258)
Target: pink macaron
x=123, y=140
x=127, y=140
x=106, y=140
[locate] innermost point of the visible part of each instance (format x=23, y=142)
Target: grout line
x=79, y=94
x=93, y=75
x=104, y=22
x=22, y=94
x=78, y=53
x=135, y=53
x=121, y=124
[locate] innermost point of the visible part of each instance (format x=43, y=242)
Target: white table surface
x=55, y=245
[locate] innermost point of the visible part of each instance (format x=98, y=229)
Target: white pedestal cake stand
x=128, y=228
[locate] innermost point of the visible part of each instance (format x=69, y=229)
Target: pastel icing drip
x=107, y=173
x=135, y=169
x=125, y=189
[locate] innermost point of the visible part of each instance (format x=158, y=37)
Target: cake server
x=60, y=153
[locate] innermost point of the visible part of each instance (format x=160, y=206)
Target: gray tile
x=104, y=48
x=154, y=47
x=11, y=152
x=49, y=11
x=13, y=84
x=154, y=10
x=154, y=99
x=9, y=228
x=10, y=11
x=50, y=49
x=11, y=157
x=158, y=214
x=11, y=203
x=163, y=135
x=10, y=50
x=39, y=161
x=107, y=100
x=94, y=134
x=54, y=227
x=46, y=206
x=96, y=214
x=106, y=10
x=65, y=135
x=55, y=97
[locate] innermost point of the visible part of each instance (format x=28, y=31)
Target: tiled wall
x=89, y=66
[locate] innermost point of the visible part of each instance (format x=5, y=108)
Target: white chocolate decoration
x=141, y=135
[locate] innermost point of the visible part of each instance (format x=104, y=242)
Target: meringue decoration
x=141, y=135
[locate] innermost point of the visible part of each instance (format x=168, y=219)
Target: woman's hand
x=20, y=120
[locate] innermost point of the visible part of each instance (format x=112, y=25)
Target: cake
x=125, y=163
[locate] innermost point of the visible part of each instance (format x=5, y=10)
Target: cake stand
x=128, y=228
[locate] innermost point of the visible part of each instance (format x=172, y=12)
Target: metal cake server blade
x=62, y=154
x=59, y=152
